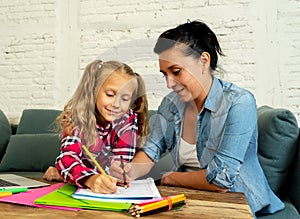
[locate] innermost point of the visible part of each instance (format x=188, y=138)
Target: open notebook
x=8, y=181
x=138, y=190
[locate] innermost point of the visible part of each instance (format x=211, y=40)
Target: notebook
x=139, y=190
x=63, y=197
x=15, y=181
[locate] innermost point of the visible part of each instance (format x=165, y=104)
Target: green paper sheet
x=63, y=197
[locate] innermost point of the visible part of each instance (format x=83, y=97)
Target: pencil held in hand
x=94, y=160
x=124, y=174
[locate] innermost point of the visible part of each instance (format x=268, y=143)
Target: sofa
x=30, y=147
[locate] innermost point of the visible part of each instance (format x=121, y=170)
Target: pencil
x=159, y=204
x=4, y=194
x=94, y=160
x=158, y=210
x=124, y=175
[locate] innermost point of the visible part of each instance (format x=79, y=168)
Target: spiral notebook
x=139, y=190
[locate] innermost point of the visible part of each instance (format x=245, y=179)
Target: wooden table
x=199, y=204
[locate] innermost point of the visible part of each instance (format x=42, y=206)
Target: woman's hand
x=101, y=183
x=116, y=171
x=52, y=174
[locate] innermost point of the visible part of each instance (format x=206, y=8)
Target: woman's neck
x=200, y=100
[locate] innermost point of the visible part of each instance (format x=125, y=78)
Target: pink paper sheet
x=27, y=198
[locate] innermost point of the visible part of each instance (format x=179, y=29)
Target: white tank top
x=188, y=156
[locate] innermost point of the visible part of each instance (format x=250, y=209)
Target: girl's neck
x=101, y=121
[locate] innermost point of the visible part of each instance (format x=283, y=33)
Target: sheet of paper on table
x=139, y=190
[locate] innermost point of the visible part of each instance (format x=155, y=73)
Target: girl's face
x=183, y=74
x=115, y=96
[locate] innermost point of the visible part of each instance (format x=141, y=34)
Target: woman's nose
x=170, y=82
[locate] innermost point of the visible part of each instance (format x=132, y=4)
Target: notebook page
x=138, y=190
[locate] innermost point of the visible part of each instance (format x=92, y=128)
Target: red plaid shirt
x=119, y=138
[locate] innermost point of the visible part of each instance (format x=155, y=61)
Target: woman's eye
x=176, y=71
x=126, y=98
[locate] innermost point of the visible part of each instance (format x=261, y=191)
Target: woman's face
x=182, y=73
x=115, y=95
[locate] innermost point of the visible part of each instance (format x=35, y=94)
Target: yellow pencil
x=93, y=159
x=97, y=164
x=4, y=194
x=165, y=202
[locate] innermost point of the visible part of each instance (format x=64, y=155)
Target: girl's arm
x=70, y=164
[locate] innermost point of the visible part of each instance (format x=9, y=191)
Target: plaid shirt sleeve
x=125, y=137
x=70, y=163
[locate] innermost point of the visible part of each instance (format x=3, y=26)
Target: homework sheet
x=138, y=190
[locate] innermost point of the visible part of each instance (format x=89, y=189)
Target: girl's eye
x=109, y=94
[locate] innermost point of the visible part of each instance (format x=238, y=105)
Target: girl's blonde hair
x=80, y=110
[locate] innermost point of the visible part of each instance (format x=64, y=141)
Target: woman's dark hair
x=197, y=37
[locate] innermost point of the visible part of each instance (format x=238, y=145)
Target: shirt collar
x=214, y=97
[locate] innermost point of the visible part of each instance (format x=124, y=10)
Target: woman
x=208, y=125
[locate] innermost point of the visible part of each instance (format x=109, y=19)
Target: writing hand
x=101, y=183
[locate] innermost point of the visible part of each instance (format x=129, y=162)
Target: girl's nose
x=116, y=102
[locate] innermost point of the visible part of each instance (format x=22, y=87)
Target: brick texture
x=45, y=45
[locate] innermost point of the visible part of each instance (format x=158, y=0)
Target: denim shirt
x=226, y=141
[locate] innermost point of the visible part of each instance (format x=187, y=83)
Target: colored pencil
x=158, y=210
x=124, y=174
x=14, y=190
x=4, y=194
x=165, y=202
x=94, y=160
x=157, y=205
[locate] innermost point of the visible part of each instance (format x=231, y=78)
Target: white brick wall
x=45, y=45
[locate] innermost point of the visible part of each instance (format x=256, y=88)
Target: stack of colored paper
x=157, y=205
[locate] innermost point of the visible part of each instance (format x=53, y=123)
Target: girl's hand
x=101, y=183
x=52, y=174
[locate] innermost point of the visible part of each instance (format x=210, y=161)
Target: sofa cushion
x=289, y=212
x=5, y=133
x=35, y=121
x=294, y=181
x=30, y=152
x=277, y=143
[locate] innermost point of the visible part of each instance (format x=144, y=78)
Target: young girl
x=108, y=114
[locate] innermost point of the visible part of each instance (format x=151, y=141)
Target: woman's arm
x=196, y=180
x=140, y=166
